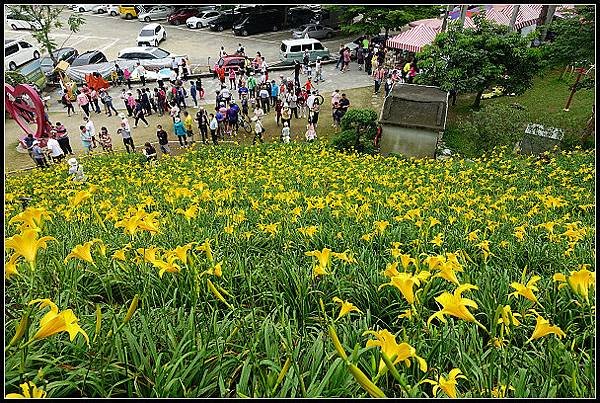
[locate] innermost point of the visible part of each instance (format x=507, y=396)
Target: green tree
x=472, y=60
x=574, y=40
x=359, y=127
x=48, y=18
x=371, y=20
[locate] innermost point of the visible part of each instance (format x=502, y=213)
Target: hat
x=129, y=92
x=72, y=162
x=285, y=124
x=177, y=120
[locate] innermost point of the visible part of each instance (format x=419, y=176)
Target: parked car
x=82, y=8
x=17, y=21
x=232, y=61
x=313, y=31
x=17, y=53
x=155, y=13
x=151, y=35
x=291, y=50
x=180, y=16
x=259, y=22
x=203, y=19
x=299, y=16
x=34, y=75
x=89, y=57
x=158, y=56
x=129, y=11
x=47, y=64
x=326, y=17
x=110, y=9
x=223, y=21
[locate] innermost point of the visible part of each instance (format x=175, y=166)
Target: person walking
x=232, y=117
x=63, y=138
x=278, y=107
x=274, y=92
x=91, y=129
x=285, y=133
x=313, y=115
x=346, y=62
x=302, y=96
x=163, y=140
x=232, y=85
x=258, y=130
x=152, y=100
x=131, y=102
x=202, y=121
x=127, y=139
x=124, y=98
x=194, y=93
x=145, y=100
x=66, y=101
x=107, y=100
x=252, y=85
x=180, y=132
x=286, y=115
x=141, y=72
x=305, y=61
x=188, y=124
x=360, y=58
x=297, y=68
x=378, y=75
x=264, y=99
x=83, y=102
x=127, y=77
x=318, y=71
x=213, y=125
x=94, y=100
x=138, y=114
x=86, y=139
x=340, y=61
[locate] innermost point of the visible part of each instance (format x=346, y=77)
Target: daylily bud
x=132, y=308
x=20, y=330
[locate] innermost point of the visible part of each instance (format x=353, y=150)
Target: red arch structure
x=27, y=109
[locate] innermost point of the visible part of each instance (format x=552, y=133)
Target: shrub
x=359, y=127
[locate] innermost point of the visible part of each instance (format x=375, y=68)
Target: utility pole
x=547, y=22
x=445, y=21
x=463, y=14
x=513, y=16
x=581, y=70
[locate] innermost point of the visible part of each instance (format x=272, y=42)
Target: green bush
x=14, y=78
x=359, y=127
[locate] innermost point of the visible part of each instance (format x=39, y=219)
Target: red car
x=231, y=61
x=180, y=16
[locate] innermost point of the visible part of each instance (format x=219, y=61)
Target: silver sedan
x=313, y=31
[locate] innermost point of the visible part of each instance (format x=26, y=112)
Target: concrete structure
x=413, y=119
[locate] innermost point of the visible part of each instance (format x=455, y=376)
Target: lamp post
x=580, y=72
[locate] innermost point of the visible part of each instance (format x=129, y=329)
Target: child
x=285, y=133
x=311, y=133
x=76, y=170
x=149, y=152
x=105, y=140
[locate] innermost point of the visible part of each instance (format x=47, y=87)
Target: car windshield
x=160, y=53
x=46, y=61
x=147, y=32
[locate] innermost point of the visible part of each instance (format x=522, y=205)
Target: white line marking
x=109, y=45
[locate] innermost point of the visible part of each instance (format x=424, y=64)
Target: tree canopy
x=574, y=39
x=473, y=60
x=48, y=18
x=372, y=20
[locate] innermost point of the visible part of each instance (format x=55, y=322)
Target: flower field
x=297, y=271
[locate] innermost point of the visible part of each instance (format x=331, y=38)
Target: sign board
x=548, y=132
x=539, y=138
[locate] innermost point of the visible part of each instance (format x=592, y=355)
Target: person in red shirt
x=309, y=85
x=221, y=73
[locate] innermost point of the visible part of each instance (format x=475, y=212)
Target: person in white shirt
x=258, y=130
x=310, y=101
x=174, y=112
x=124, y=120
x=142, y=73
x=258, y=112
x=56, y=152
x=285, y=133
x=213, y=125
x=222, y=52
x=335, y=98
x=76, y=170
x=89, y=126
x=311, y=133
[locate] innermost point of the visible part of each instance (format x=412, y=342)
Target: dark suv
x=224, y=21
x=269, y=20
x=89, y=57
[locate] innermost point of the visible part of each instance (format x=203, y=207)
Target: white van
x=293, y=49
x=17, y=53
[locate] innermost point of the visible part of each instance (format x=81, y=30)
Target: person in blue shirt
x=242, y=90
x=180, y=132
x=232, y=117
x=193, y=93
x=221, y=123
x=274, y=92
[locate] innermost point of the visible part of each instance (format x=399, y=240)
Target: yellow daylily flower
x=433, y=221
x=380, y=226
x=10, y=267
x=191, y=212
x=438, y=240
x=181, y=252
x=403, y=351
x=508, y=318
x=543, y=328
x=149, y=254
x=526, y=290
x=579, y=281
x=446, y=271
x=405, y=282
x=323, y=256
x=79, y=198
x=29, y=391
x=55, y=322
x=500, y=391
x=472, y=236
x=119, y=255
x=391, y=270
x=406, y=260
x=346, y=307
x=167, y=265
x=455, y=305
x=82, y=252
x=448, y=385
x=319, y=270
x=32, y=217
x=308, y=231
x=27, y=244
x=343, y=256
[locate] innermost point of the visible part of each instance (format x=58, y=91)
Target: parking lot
x=111, y=34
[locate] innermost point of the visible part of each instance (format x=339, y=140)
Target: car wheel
x=36, y=55
x=128, y=16
x=244, y=33
x=329, y=35
x=275, y=28
x=12, y=66
x=164, y=36
x=13, y=26
x=220, y=28
x=198, y=25
x=156, y=43
x=147, y=19
x=81, y=9
x=113, y=13
x=176, y=22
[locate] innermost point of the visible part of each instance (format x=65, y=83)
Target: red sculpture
x=27, y=109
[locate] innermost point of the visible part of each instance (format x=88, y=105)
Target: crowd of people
x=247, y=95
